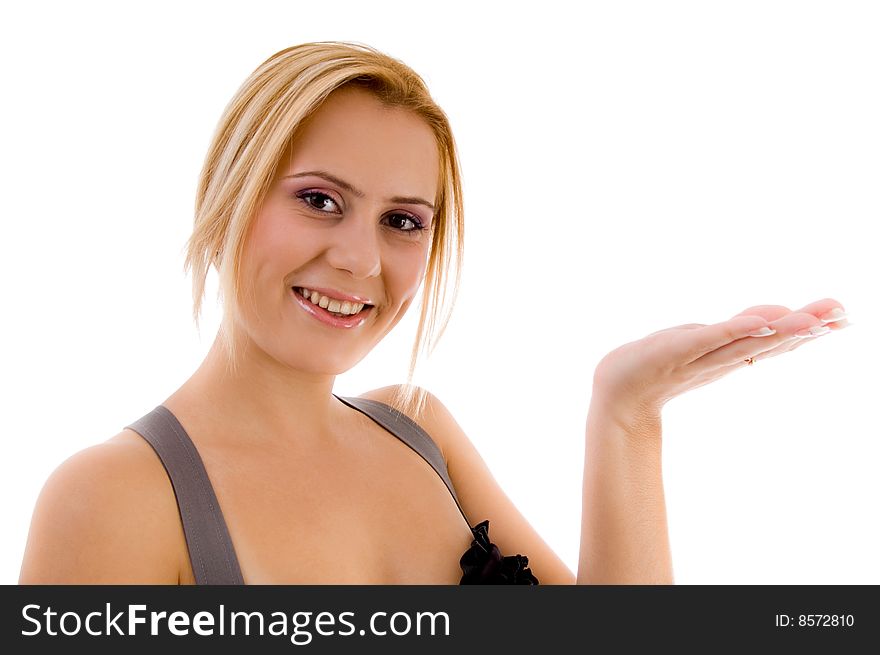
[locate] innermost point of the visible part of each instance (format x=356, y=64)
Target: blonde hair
x=254, y=133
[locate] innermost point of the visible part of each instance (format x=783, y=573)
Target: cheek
x=410, y=269
x=273, y=242
x=271, y=235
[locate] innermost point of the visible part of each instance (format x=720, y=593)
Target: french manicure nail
x=814, y=331
x=763, y=332
x=834, y=315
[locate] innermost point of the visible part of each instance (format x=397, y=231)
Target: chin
x=313, y=362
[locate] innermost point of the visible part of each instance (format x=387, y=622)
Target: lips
x=326, y=317
x=334, y=305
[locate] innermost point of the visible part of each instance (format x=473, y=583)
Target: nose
x=355, y=247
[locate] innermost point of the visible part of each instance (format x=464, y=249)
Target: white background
x=627, y=167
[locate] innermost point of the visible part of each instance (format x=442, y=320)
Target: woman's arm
x=624, y=534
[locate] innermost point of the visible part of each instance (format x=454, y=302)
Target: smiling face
x=349, y=213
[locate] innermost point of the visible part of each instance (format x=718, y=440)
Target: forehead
x=383, y=150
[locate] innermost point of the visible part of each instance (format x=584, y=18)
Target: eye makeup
x=308, y=196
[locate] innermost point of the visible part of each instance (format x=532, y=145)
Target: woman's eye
x=400, y=221
x=316, y=200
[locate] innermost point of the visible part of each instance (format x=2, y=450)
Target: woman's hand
x=634, y=381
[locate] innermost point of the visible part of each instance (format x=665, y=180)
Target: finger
x=773, y=312
x=730, y=368
x=792, y=332
x=824, y=310
x=797, y=323
x=784, y=347
x=787, y=346
x=794, y=344
x=839, y=324
x=686, y=326
x=744, y=362
x=737, y=353
x=768, y=312
x=723, y=361
x=698, y=342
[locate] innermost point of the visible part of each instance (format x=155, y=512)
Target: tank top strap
x=210, y=547
x=409, y=432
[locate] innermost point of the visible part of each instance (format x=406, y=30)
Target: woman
x=330, y=193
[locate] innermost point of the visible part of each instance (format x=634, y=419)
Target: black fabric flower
x=484, y=564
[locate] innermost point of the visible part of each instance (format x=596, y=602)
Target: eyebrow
x=408, y=200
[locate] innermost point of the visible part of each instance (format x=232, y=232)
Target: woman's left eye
x=415, y=222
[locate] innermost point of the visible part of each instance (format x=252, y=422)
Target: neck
x=261, y=398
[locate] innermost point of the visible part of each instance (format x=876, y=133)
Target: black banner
x=436, y=619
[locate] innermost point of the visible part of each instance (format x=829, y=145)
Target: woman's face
x=341, y=219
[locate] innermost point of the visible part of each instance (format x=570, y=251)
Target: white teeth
x=331, y=305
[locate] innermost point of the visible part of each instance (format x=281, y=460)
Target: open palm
x=641, y=376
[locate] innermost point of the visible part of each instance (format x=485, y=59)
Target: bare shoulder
x=479, y=492
x=106, y=515
x=431, y=419
x=434, y=418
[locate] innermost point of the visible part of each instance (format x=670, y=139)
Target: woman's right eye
x=315, y=200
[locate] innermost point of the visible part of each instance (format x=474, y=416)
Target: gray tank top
x=207, y=537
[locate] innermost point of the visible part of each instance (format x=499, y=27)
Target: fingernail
x=763, y=332
x=834, y=315
x=814, y=331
